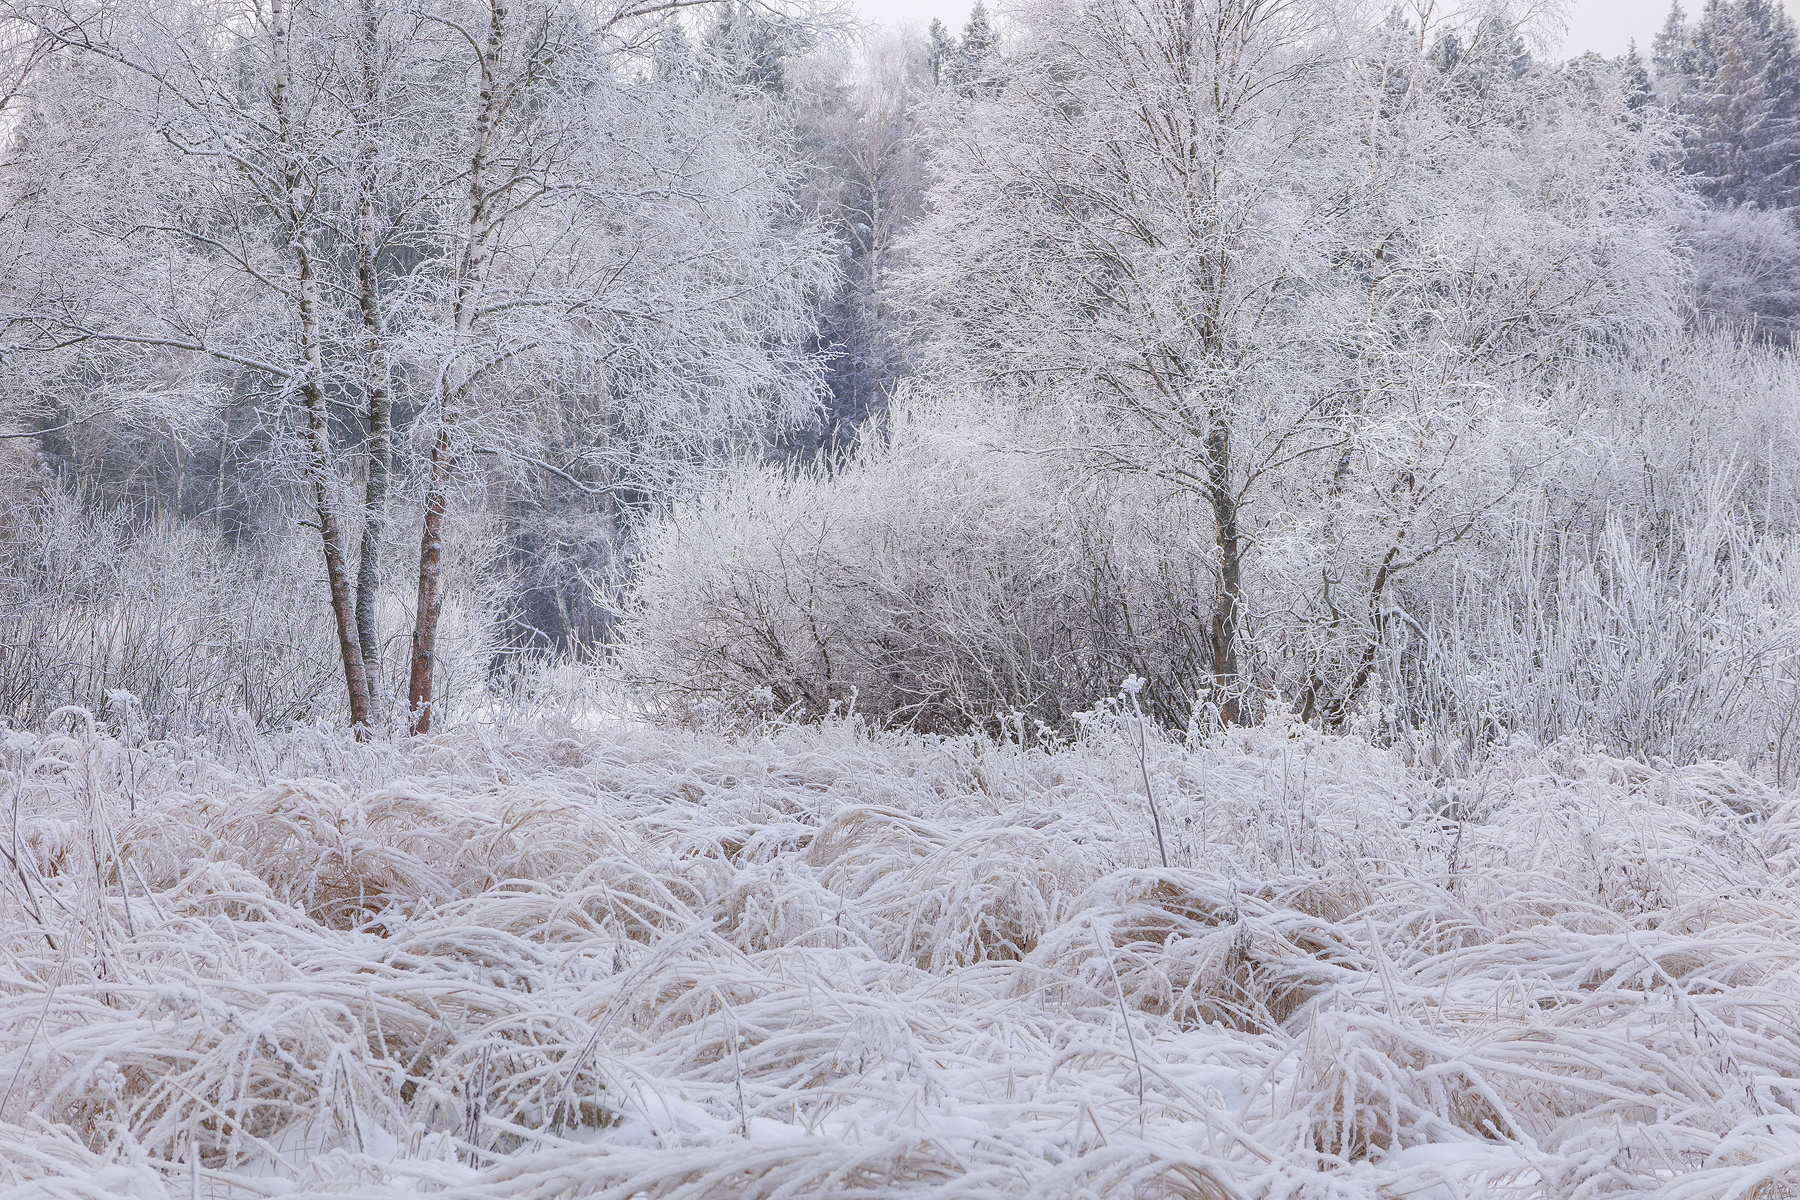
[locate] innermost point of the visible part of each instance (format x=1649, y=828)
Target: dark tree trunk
x=368, y=578
x=1225, y=665
x=419, y=692
x=479, y=228
x=331, y=534
x=375, y=490
x=312, y=391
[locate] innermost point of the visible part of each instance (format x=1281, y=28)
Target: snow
x=817, y=962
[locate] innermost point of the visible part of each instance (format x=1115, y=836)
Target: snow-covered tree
x=865, y=127
x=1734, y=79
x=486, y=217
x=1304, y=273
x=974, y=63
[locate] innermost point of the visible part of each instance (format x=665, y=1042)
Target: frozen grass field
x=545, y=961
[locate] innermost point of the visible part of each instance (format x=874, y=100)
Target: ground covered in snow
x=546, y=961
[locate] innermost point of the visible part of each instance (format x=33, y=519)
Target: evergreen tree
x=1393, y=68
x=753, y=47
x=943, y=50
x=1774, y=159
x=974, y=61
x=1494, y=51
x=1637, y=77
x=1669, y=53
x=1734, y=79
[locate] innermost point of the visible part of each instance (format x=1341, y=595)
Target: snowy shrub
x=1645, y=596
x=960, y=573
x=949, y=574
x=1680, y=652
x=1748, y=260
x=192, y=626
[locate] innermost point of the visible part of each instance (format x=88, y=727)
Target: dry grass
x=548, y=961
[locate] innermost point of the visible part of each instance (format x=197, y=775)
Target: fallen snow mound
x=552, y=962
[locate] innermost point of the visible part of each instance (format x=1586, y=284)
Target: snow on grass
x=561, y=961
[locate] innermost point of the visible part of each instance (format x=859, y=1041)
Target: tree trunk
x=312, y=391
x=1225, y=667
x=337, y=574
x=477, y=232
x=375, y=490
x=419, y=691
x=1338, y=712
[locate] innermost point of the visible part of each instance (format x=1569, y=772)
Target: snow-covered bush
x=954, y=571
x=1646, y=594
x=1642, y=592
x=1747, y=262
x=1679, y=652
x=190, y=624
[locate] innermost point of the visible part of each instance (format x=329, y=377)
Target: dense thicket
x=376, y=255
x=1387, y=372
x=1383, y=373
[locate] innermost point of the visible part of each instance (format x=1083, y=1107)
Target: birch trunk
x=375, y=490
x=476, y=234
x=1225, y=666
x=312, y=389
x=331, y=535
x=419, y=691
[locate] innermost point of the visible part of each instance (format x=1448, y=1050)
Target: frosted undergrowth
x=551, y=961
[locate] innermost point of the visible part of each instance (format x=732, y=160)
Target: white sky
x=1606, y=26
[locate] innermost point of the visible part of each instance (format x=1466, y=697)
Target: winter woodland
x=687, y=599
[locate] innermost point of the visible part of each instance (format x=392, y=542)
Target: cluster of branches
x=537, y=233
x=1306, y=271
x=1265, y=329
x=1267, y=326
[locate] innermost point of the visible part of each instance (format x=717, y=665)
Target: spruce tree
x=1637, y=77
x=943, y=50
x=753, y=46
x=974, y=60
x=1774, y=152
x=1669, y=53
x=1734, y=80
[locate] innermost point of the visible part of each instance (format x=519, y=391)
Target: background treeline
x=362, y=355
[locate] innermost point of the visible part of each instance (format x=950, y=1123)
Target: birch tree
x=465, y=214
x=1298, y=270
x=620, y=242
x=1122, y=222
x=230, y=102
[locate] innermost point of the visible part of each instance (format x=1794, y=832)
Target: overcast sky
x=1606, y=26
